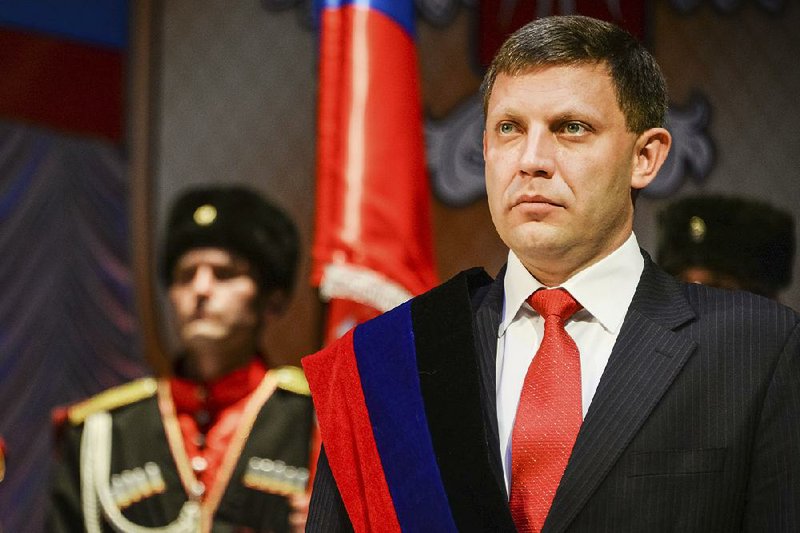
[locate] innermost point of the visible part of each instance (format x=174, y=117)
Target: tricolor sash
x=373, y=423
x=405, y=410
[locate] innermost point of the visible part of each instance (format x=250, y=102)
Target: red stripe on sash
x=335, y=383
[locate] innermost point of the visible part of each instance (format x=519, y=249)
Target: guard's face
x=214, y=295
x=705, y=276
x=560, y=165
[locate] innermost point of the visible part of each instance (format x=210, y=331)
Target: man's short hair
x=237, y=219
x=574, y=40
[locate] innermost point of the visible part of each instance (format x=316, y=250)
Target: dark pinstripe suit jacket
x=695, y=425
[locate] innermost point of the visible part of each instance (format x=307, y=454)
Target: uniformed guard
x=728, y=242
x=225, y=444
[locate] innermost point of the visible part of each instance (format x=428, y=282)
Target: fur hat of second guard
x=749, y=240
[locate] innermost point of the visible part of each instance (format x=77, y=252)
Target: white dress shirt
x=605, y=290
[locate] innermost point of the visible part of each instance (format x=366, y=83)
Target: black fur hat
x=237, y=219
x=748, y=240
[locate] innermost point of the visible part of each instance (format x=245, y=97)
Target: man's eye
x=225, y=273
x=506, y=128
x=184, y=276
x=574, y=128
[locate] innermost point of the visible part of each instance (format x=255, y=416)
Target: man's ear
x=652, y=147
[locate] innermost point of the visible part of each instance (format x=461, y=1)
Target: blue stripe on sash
x=387, y=365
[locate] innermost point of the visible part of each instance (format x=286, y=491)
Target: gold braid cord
x=95, y=487
x=194, y=516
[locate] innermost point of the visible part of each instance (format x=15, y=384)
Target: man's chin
x=536, y=238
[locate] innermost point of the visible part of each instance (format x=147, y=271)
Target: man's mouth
x=535, y=199
x=202, y=328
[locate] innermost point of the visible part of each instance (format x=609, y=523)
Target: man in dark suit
x=584, y=389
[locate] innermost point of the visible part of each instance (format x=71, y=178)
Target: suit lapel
x=646, y=358
x=488, y=313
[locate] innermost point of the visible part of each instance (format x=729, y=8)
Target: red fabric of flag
x=373, y=244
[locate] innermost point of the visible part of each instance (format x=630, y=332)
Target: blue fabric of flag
x=401, y=11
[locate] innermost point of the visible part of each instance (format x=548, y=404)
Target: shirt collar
x=190, y=396
x=605, y=289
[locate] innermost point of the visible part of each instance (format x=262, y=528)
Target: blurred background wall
x=214, y=91
x=68, y=325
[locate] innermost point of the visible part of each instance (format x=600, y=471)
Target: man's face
x=214, y=295
x=559, y=164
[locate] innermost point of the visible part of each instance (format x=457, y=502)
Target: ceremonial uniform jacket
x=694, y=426
x=122, y=462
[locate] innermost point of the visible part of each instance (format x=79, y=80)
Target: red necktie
x=549, y=413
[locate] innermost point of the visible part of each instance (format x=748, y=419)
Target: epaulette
x=291, y=378
x=112, y=399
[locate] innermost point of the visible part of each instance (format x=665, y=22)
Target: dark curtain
x=67, y=322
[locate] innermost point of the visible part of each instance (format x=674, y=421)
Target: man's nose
x=538, y=153
x=203, y=280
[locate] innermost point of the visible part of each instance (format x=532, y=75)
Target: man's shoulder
x=658, y=289
x=110, y=400
x=706, y=298
x=472, y=283
x=741, y=313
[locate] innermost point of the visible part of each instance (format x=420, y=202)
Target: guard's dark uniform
x=123, y=466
